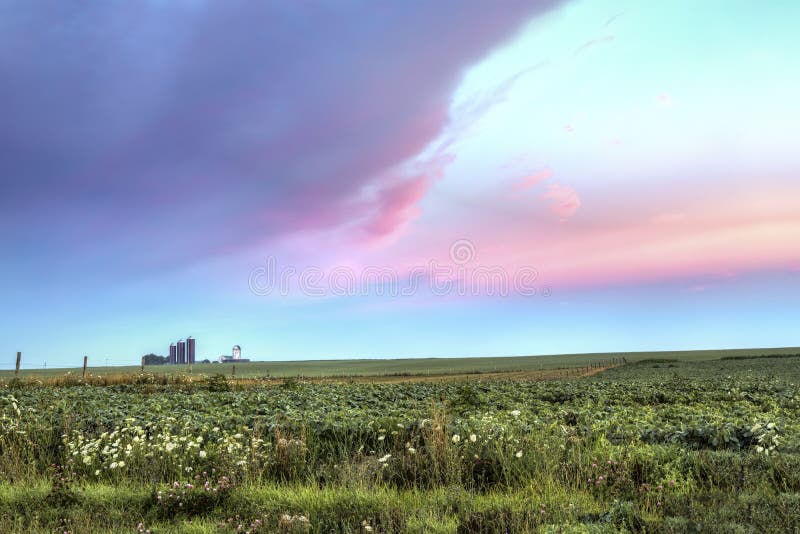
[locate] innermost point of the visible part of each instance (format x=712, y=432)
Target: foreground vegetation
x=657, y=445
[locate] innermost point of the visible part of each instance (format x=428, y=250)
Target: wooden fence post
x=19, y=359
x=85, y=361
x=233, y=370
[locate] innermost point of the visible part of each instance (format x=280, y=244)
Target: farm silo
x=190, y=349
x=181, y=351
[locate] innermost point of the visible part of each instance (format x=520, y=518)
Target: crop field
x=660, y=444
x=399, y=367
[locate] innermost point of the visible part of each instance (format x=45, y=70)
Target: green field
x=667, y=443
x=415, y=366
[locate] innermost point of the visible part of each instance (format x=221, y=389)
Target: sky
x=315, y=180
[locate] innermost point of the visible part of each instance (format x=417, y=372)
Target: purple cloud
x=145, y=133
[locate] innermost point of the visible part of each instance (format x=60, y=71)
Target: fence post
x=19, y=358
x=143, y=364
x=85, y=361
x=233, y=370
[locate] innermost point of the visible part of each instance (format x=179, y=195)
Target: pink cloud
x=669, y=218
x=564, y=200
x=534, y=179
x=675, y=236
x=395, y=205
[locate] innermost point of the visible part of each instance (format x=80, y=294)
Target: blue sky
x=639, y=156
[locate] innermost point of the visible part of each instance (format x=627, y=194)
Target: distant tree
x=154, y=359
x=206, y=361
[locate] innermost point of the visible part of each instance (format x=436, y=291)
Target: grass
x=104, y=508
x=544, y=505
